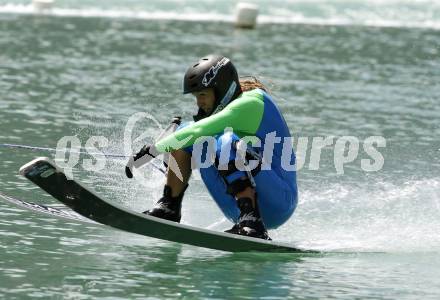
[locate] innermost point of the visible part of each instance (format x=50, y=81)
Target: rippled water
x=62, y=76
x=394, y=13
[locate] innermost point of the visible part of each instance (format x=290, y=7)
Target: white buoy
x=42, y=5
x=246, y=15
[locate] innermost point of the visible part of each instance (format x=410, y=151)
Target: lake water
x=336, y=68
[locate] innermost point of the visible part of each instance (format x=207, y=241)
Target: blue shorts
x=277, y=199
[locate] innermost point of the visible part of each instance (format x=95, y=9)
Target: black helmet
x=217, y=72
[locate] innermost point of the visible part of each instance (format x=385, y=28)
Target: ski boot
x=167, y=207
x=249, y=223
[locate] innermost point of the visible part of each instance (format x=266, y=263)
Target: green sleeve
x=243, y=115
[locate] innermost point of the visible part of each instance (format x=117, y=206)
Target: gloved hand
x=146, y=154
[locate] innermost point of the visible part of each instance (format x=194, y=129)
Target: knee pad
x=236, y=180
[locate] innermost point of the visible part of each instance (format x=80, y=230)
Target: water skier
x=255, y=200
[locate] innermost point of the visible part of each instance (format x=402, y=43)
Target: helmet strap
x=227, y=98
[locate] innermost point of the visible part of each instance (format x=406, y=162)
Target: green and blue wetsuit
x=253, y=114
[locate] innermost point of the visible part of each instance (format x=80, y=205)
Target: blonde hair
x=249, y=83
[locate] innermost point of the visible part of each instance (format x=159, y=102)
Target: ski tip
x=26, y=167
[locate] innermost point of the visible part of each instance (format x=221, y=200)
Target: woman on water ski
x=255, y=199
